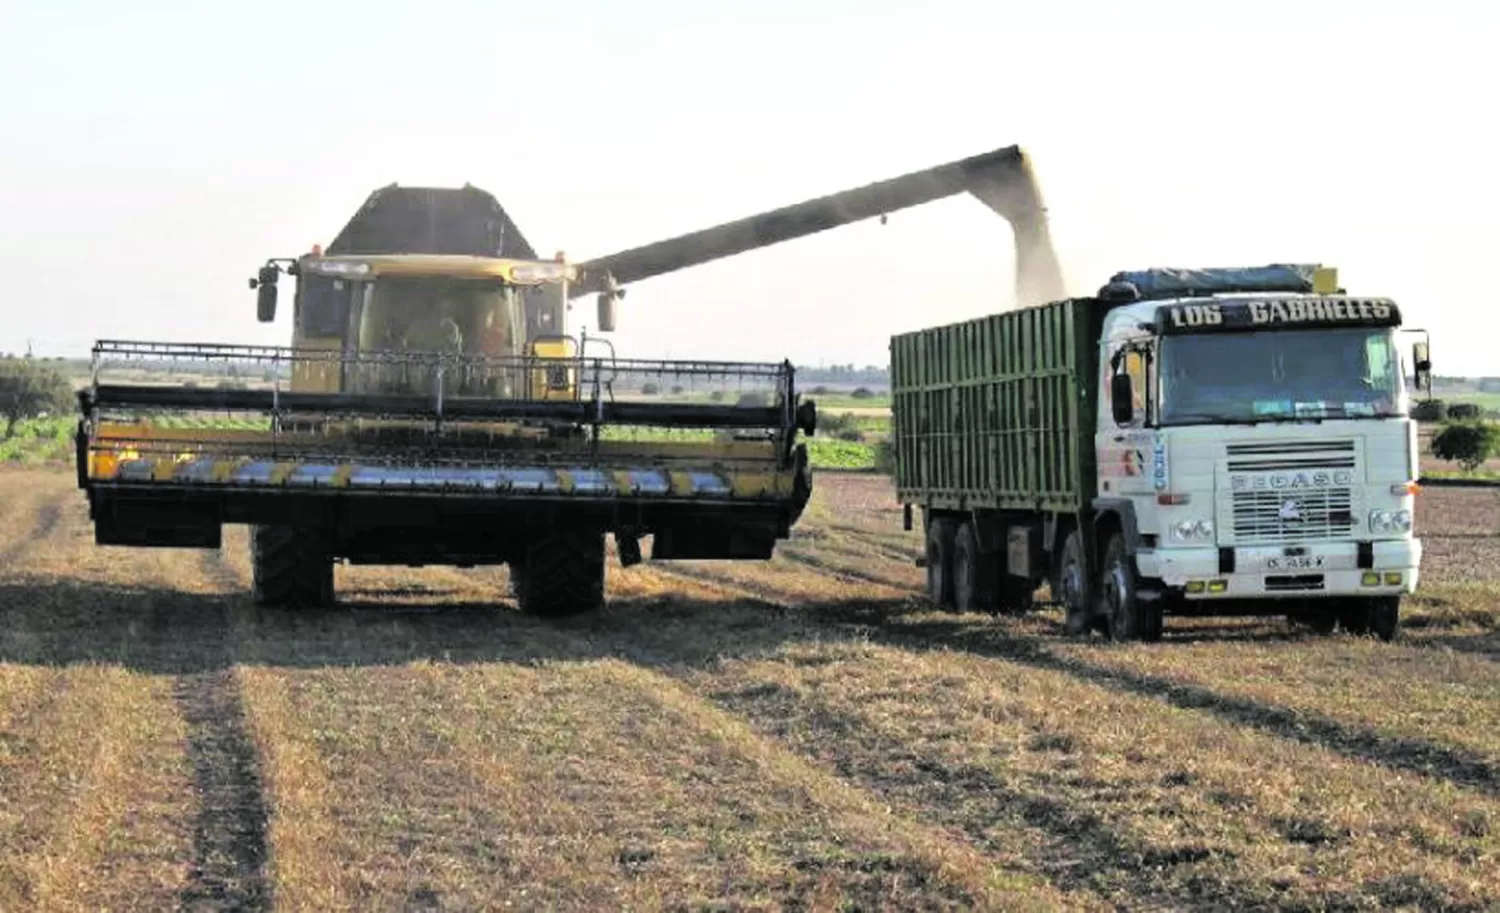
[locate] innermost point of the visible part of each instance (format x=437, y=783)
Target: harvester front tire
x=563, y=575
x=290, y=568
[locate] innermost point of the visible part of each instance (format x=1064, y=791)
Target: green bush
x=30, y=388
x=885, y=457
x=863, y=393
x=1428, y=410
x=840, y=425
x=649, y=389
x=1464, y=412
x=1468, y=444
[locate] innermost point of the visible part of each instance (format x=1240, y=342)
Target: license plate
x=1294, y=563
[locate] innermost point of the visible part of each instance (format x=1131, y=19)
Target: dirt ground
x=799, y=735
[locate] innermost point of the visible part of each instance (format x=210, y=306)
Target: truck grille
x=1292, y=516
x=1291, y=455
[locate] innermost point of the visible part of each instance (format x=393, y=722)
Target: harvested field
x=803, y=735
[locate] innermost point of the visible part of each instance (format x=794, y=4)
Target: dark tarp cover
x=1169, y=283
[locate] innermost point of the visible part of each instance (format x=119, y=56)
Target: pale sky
x=154, y=154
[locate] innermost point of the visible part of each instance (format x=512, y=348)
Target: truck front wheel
x=562, y=574
x=289, y=567
x=1378, y=615
x=1126, y=617
x=1070, y=585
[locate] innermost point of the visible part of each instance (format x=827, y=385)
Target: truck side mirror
x=265, y=293
x=1422, y=366
x=1121, y=399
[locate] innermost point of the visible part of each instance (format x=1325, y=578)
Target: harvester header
x=441, y=457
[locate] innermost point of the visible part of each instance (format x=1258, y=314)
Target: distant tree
x=819, y=390
x=1460, y=412
x=717, y=396
x=30, y=388
x=863, y=393
x=1428, y=410
x=1468, y=444
x=650, y=389
x=677, y=389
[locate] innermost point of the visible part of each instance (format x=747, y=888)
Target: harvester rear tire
x=563, y=575
x=290, y=568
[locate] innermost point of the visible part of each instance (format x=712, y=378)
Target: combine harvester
x=433, y=409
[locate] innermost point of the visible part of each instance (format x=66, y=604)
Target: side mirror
x=1121, y=399
x=265, y=293
x=607, y=311
x=1422, y=366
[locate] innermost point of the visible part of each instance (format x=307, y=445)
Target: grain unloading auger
x=1002, y=180
x=428, y=411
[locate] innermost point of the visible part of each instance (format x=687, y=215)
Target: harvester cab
x=433, y=307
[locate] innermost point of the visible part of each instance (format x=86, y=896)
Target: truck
x=1184, y=441
x=434, y=407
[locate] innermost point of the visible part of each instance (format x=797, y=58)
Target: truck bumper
x=1318, y=570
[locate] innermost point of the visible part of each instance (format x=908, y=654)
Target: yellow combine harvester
x=424, y=428
x=432, y=409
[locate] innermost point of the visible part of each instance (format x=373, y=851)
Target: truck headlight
x=1387, y=521
x=1193, y=531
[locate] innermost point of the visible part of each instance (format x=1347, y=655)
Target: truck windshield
x=1280, y=375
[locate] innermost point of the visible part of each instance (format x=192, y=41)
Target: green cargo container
x=998, y=412
x=993, y=423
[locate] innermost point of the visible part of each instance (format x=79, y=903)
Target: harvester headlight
x=1401, y=520
x=1193, y=531
x=538, y=272
x=342, y=267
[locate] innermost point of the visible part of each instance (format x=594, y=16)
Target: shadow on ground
x=162, y=631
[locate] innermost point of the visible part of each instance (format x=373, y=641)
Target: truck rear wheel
x=1126, y=616
x=290, y=567
x=940, y=545
x=1378, y=615
x=563, y=574
x=976, y=575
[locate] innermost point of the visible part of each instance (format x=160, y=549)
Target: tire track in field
x=1078, y=847
x=45, y=521
x=230, y=844
x=1460, y=767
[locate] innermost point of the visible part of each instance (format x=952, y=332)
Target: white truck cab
x=1262, y=442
